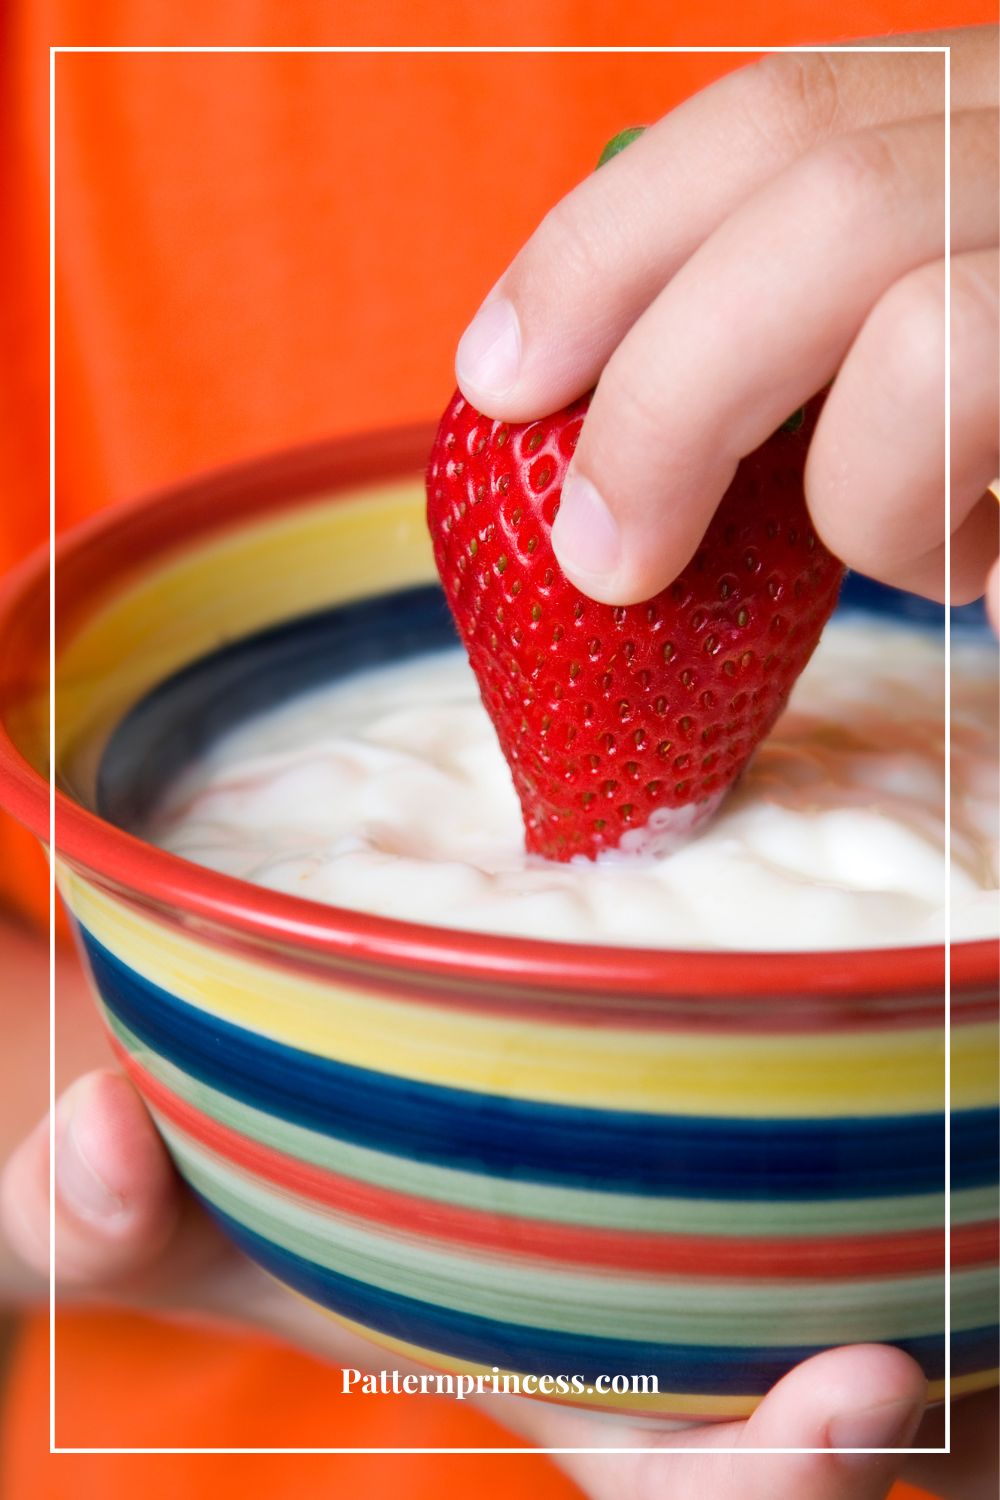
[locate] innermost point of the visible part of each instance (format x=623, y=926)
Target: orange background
x=254, y=251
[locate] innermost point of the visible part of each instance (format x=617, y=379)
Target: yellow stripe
x=755, y=1076
x=964, y=1385
x=310, y=556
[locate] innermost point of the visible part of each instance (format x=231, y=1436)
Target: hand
x=125, y=1226
x=781, y=229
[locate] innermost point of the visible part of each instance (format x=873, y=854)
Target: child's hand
x=127, y=1229
x=780, y=229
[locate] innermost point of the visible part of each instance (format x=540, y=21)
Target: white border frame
x=946, y=53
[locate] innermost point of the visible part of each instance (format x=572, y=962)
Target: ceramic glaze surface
x=482, y=1151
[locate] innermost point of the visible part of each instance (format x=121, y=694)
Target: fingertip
x=868, y=1396
x=110, y=1163
x=118, y=1199
x=488, y=358
x=610, y=562
x=586, y=539
x=510, y=370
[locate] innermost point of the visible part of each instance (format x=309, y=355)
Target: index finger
x=603, y=253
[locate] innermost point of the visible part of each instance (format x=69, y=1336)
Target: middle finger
x=755, y=322
x=600, y=256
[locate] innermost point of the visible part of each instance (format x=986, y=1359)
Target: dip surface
x=386, y=792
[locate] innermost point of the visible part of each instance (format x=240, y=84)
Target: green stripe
x=670, y=1310
x=558, y=1204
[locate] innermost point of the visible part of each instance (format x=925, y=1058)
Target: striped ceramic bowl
x=482, y=1152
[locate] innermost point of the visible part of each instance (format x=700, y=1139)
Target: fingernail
x=489, y=351
x=81, y=1185
x=891, y=1424
x=585, y=535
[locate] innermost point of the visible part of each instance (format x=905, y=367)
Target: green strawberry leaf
x=619, y=142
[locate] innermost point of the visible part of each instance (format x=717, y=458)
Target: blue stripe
x=726, y=1370
x=614, y=1150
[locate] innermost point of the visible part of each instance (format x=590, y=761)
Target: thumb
x=865, y=1397
x=122, y=1218
x=868, y=1396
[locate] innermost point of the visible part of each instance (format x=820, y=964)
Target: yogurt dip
x=386, y=792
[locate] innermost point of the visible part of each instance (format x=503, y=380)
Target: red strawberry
x=623, y=727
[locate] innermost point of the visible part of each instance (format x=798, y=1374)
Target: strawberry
x=623, y=727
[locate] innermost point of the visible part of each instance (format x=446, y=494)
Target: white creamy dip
x=387, y=792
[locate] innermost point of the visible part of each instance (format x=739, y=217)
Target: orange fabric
x=236, y=1392
x=255, y=251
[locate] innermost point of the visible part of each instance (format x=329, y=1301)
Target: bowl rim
x=137, y=531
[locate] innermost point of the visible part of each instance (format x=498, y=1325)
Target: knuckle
x=794, y=97
x=570, y=243
x=907, y=336
x=856, y=174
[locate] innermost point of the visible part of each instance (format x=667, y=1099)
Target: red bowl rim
x=136, y=530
